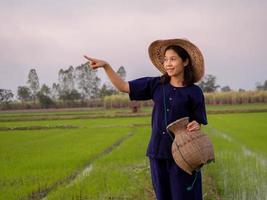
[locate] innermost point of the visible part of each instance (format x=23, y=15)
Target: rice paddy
x=103, y=156
x=240, y=171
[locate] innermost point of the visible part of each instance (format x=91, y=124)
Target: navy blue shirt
x=179, y=102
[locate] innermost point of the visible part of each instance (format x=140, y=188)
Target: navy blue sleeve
x=143, y=88
x=198, y=107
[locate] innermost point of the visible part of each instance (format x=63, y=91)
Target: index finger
x=88, y=58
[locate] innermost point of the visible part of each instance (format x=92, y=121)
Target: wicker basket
x=190, y=150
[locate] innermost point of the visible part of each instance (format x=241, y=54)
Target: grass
x=251, y=106
x=36, y=159
x=246, y=129
x=33, y=160
x=241, y=155
x=122, y=174
x=82, y=123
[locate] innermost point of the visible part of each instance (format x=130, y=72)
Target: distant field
x=104, y=158
x=238, y=107
x=87, y=113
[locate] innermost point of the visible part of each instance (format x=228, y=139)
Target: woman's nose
x=167, y=63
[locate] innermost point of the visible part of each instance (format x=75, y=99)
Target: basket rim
x=176, y=121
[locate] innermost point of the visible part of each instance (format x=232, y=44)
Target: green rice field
x=100, y=154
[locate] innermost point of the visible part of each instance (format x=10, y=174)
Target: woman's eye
x=169, y=59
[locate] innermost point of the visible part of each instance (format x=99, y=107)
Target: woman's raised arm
x=115, y=79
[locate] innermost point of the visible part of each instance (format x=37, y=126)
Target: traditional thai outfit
x=170, y=103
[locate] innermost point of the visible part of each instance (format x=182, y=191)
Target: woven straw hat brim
x=157, y=48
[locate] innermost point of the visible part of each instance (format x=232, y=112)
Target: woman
x=175, y=96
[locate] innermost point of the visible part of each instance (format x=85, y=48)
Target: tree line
x=74, y=83
x=82, y=83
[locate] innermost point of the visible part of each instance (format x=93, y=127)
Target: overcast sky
x=49, y=35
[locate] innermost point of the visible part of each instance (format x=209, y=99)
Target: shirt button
x=163, y=132
x=170, y=98
x=168, y=109
x=174, y=88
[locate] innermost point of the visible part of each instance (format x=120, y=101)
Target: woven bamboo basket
x=190, y=150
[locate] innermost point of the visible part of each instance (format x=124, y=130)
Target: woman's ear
x=186, y=62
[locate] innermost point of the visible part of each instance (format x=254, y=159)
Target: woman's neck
x=177, y=81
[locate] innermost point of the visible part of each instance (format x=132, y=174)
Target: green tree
x=45, y=90
x=122, y=72
x=6, y=96
x=260, y=86
x=33, y=82
x=87, y=81
x=24, y=93
x=44, y=98
x=55, y=91
x=106, y=91
x=226, y=89
x=66, y=80
x=208, y=84
x=70, y=95
x=265, y=85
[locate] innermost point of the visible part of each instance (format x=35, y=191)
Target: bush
x=116, y=101
x=45, y=101
x=232, y=97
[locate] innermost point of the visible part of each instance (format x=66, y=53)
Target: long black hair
x=189, y=77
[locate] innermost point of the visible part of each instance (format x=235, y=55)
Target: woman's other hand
x=193, y=126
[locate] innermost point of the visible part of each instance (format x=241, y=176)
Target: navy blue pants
x=171, y=183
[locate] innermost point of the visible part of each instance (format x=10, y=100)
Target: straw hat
x=157, y=48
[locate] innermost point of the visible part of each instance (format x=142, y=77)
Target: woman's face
x=173, y=63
